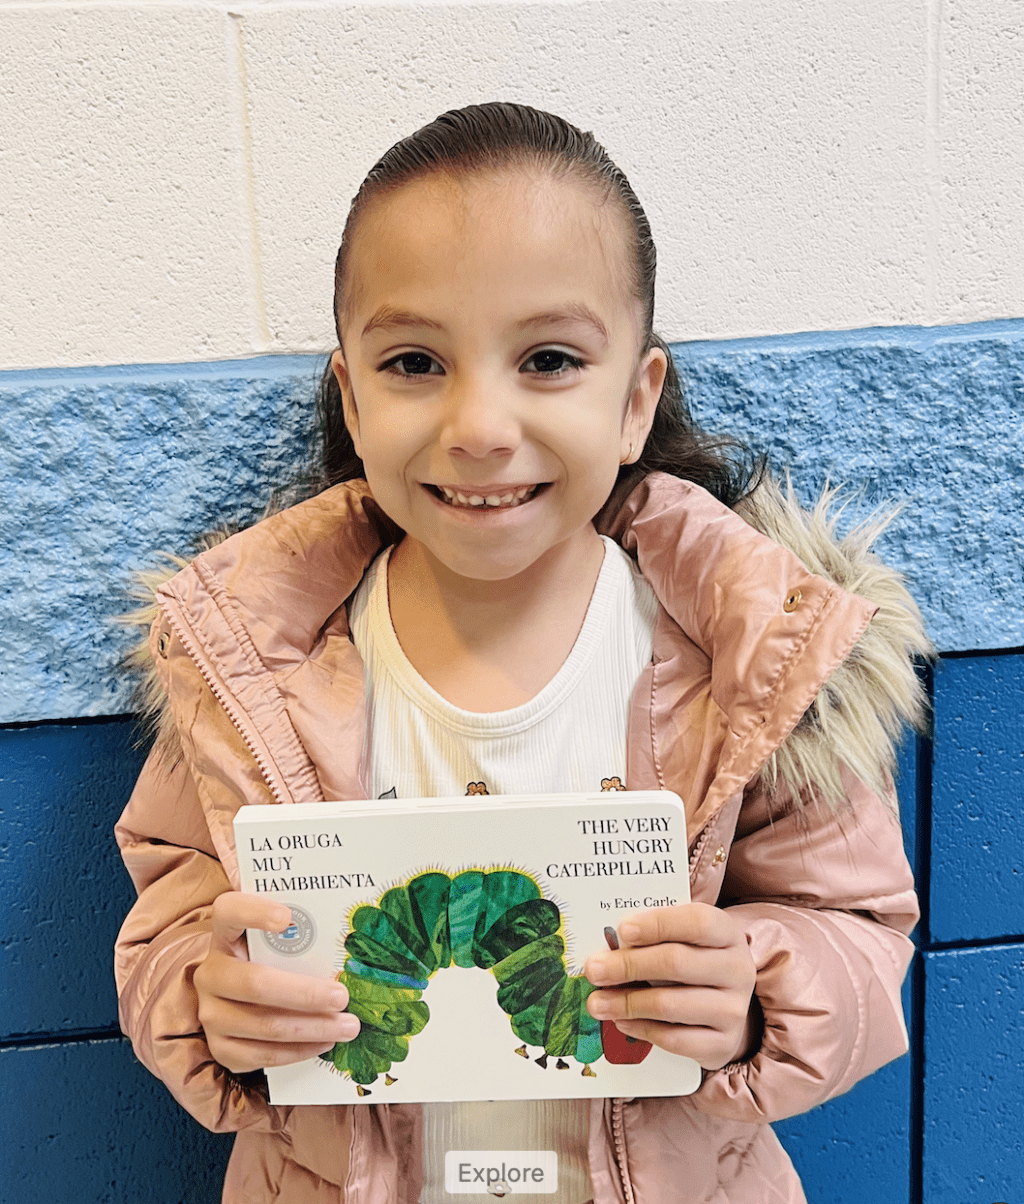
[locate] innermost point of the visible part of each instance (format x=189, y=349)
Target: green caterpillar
x=497, y=920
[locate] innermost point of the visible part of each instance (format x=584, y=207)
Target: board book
x=460, y=928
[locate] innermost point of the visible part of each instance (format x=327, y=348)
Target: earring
x=629, y=455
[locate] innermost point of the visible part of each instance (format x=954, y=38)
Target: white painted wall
x=174, y=177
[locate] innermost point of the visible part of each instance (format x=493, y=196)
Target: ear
x=642, y=404
x=340, y=370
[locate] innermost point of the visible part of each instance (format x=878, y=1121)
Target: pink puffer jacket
x=777, y=681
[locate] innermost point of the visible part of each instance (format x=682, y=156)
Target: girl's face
x=490, y=366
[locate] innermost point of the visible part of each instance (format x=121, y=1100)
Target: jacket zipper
x=618, y=1128
x=228, y=706
x=619, y=1137
x=702, y=840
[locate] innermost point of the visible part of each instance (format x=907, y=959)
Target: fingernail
x=629, y=932
x=348, y=1027
x=339, y=998
x=599, y=1006
x=597, y=968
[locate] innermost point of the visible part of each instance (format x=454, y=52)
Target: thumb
x=234, y=912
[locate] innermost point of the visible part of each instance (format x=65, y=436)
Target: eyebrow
x=571, y=314
x=389, y=318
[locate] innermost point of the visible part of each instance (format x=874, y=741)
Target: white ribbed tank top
x=569, y=737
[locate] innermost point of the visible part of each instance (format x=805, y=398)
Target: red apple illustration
x=619, y=1049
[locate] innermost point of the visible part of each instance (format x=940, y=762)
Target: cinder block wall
x=836, y=193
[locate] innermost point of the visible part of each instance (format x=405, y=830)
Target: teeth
x=512, y=498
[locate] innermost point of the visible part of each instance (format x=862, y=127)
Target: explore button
x=499, y=1173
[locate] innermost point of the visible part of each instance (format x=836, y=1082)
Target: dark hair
x=501, y=135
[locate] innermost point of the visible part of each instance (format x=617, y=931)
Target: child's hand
x=255, y=1016
x=712, y=1014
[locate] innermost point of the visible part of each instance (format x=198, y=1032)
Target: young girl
x=528, y=571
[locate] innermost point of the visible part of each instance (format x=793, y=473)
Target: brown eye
x=411, y=363
x=550, y=362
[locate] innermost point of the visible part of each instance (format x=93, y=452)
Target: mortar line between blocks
x=71, y=1037
x=915, y=1119
x=236, y=41
x=923, y=815
x=933, y=155
x=918, y=985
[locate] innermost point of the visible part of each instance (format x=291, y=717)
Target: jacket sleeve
x=166, y=846
x=826, y=898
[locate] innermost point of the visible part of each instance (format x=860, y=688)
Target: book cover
x=460, y=928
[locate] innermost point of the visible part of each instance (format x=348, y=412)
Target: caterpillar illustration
x=497, y=920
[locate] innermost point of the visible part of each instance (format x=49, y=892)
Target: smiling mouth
x=506, y=500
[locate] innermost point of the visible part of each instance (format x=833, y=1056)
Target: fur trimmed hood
x=861, y=712
x=856, y=717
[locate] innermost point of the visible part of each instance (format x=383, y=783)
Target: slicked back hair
x=501, y=136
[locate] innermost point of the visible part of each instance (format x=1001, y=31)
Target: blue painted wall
x=977, y=819
x=101, y=470
x=940, y=1126
x=83, y=1122
x=974, y=1082
x=931, y=417
x=101, y=467
x=61, y=786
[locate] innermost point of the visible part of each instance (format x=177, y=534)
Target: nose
x=480, y=420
